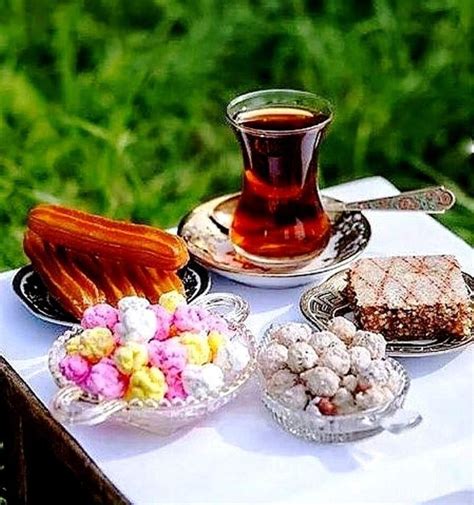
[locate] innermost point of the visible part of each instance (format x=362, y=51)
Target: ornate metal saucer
x=29, y=287
x=321, y=303
x=205, y=230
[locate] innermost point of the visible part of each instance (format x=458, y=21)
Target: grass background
x=117, y=106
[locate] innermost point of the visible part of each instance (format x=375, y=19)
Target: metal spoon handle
x=433, y=200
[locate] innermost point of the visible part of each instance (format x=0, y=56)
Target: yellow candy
x=171, y=300
x=94, y=344
x=197, y=347
x=147, y=383
x=131, y=357
x=216, y=340
x=72, y=346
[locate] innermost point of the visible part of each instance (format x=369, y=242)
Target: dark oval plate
x=34, y=295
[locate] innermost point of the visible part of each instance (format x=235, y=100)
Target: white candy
x=132, y=302
x=295, y=397
x=200, y=381
x=301, y=357
x=273, y=358
x=337, y=359
x=342, y=328
x=360, y=359
x=373, y=342
x=137, y=325
x=313, y=407
x=376, y=374
x=280, y=381
x=344, y=401
x=373, y=397
x=322, y=340
x=291, y=333
x=349, y=382
x=232, y=358
x=321, y=381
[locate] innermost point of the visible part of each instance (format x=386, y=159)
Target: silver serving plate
x=205, y=230
x=321, y=303
x=72, y=405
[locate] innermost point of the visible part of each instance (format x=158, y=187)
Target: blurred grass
x=117, y=107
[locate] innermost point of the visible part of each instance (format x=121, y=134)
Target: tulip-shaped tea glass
x=280, y=220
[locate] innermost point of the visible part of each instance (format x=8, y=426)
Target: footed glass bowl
x=341, y=428
x=73, y=405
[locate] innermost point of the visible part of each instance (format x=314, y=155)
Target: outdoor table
x=239, y=454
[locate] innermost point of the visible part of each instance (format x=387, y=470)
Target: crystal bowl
x=73, y=405
x=340, y=428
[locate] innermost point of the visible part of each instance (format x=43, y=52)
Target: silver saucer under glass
x=206, y=232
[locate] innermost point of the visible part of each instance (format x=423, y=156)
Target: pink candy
x=170, y=355
x=192, y=319
x=75, y=368
x=102, y=315
x=216, y=323
x=105, y=380
x=164, y=319
x=175, y=387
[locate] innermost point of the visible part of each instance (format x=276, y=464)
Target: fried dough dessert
x=84, y=259
x=73, y=289
x=99, y=236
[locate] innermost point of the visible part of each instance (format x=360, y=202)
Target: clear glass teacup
x=280, y=220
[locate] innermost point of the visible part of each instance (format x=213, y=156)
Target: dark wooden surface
x=41, y=462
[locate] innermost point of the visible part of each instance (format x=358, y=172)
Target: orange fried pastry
x=103, y=277
x=165, y=281
x=107, y=238
x=68, y=284
x=117, y=280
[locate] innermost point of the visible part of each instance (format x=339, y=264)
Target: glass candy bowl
x=73, y=405
x=340, y=428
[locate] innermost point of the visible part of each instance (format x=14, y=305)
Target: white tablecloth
x=240, y=455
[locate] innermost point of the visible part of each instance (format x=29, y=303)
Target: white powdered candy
x=132, y=302
x=373, y=397
x=373, y=342
x=360, y=359
x=295, y=397
x=327, y=373
x=349, y=382
x=337, y=359
x=273, y=358
x=322, y=340
x=136, y=325
x=301, y=357
x=342, y=328
x=232, y=358
x=291, y=333
x=376, y=374
x=200, y=381
x=344, y=401
x=321, y=381
x=281, y=380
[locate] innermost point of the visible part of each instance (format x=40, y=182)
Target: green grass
x=117, y=107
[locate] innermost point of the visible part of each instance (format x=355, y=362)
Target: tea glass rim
x=326, y=106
